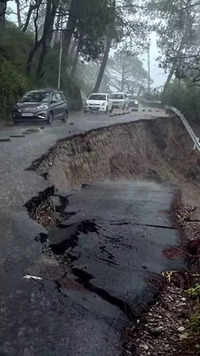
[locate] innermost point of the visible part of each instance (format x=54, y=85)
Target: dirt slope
x=158, y=150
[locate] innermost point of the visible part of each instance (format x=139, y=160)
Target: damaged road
x=87, y=277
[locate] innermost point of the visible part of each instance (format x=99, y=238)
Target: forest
x=97, y=45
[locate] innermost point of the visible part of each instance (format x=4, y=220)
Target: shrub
x=12, y=86
x=184, y=97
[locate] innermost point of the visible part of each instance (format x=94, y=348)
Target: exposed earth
x=102, y=199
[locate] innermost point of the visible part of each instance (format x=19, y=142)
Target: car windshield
x=97, y=97
x=36, y=97
x=116, y=96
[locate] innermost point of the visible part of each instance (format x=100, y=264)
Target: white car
x=119, y=101
x=98, y=102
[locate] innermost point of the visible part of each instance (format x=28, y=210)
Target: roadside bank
x=172, y=325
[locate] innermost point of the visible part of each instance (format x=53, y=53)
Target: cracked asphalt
x=104, y=255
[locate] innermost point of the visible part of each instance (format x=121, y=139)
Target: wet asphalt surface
x=92, y=274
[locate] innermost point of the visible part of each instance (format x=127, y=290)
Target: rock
x=183, y=336
x=156, y=331
x=144, y=346
x=181, y=329
x=128, y=353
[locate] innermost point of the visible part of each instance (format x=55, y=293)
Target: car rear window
x=97, y=97
x=117, y=96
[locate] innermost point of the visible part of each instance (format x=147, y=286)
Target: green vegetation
x=12, y=86
x=194, y=291
x=30, y=49
x=194, y=324
x=185, y=97
x=176, y=23
x=14, y=45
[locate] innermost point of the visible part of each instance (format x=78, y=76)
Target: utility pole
x=60, y=55
x=149, y=68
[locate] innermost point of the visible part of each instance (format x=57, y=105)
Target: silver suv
x=43, y=105
x=119, y=101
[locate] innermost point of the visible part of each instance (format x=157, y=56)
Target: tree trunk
x=173, y=68
x=28, y=17
x=51, y=9
x=31, y=56
x=170, y=75
x=73, y=48
x=45, y=40
x=103, y=64
x=75, y=62
x=41, y=59
x=37, y=43
x=71, y=23
x=3, y=6
x=123, y=77
x=19, y=20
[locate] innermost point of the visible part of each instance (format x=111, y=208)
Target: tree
x=42, y=43
x=178, y=35
x=50, y=14
x=128, y=28
x=125, y=72
x=86, y=23
x=103, y=63
x=3, y=6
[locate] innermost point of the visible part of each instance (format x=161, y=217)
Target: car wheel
x=65, y=116
x=50, y=118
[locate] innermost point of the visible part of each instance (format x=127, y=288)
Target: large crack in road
x=96, y=263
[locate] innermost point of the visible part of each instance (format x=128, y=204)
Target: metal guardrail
x=189, y=129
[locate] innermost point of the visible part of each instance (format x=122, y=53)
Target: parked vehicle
x=132, y=102
x=98, y=102
x=119, y=101
x=44, y=105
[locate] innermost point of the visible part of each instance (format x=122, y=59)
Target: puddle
x=5, y=139
x=30, y=131
x=16, y=136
